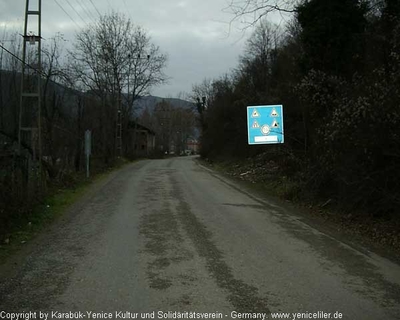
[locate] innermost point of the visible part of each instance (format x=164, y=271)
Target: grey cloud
x=191, y=32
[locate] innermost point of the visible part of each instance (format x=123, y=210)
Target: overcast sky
x=193, y=33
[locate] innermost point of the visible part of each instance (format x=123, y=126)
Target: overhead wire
x=94, y=6
x=82, y=9
x=76, y=11
x=20, y=60
x=87, y=10
x=62, y=8
x=36, y=70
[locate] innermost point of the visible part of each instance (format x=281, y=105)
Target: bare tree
x=252, y=11
x=112, y=57
x=172, y=123
x=10, y=85
x=115, y=56
x=201, y=93
x=144, y=68
x=264, y=40
x=257, y=63
x=53, y=72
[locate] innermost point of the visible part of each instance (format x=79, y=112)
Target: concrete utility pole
x=119, y=126
x=30, y=98
x=118, y=135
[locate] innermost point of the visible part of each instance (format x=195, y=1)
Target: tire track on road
x=243, y=297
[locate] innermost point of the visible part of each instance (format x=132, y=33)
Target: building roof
x=135, y=125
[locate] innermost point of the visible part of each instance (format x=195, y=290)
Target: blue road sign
x=265, y=124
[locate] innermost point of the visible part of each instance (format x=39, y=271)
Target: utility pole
x=119, y=125
x=118, y=135
x=29, y=133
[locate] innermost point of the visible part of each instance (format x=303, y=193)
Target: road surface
x=169, y=235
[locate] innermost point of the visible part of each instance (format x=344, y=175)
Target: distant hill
x=150, y=103
x=7, y=78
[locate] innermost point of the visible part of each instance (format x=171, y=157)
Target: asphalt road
x=171, y=235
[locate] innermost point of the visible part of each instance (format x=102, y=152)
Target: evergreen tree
x=332, y=35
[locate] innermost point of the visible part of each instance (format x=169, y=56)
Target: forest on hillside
x=335, y=68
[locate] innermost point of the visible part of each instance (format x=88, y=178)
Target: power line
x=20, y=60
x=83, y=9
x=86, y=9
x=91, y=1
x=76, y=11
x=67, y=14
x=27, y=64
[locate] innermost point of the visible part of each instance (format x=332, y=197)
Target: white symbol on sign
x=274, y=113
x=275, y=124
x=255, y=114
x=265, y=129
x=255, y=125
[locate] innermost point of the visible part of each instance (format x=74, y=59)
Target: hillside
x=149, y=103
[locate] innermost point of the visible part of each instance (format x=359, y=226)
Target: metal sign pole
x=87, y=166
x=88, y=150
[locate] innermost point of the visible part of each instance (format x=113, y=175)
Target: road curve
x=171, y=235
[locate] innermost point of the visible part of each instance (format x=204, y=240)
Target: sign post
x=88, y=150
x=265, y=124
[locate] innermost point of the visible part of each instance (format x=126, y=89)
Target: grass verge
x=27, y=224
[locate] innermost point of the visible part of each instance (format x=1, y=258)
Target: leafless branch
x=250, y=12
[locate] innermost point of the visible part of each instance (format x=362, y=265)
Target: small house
x=141, y=140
